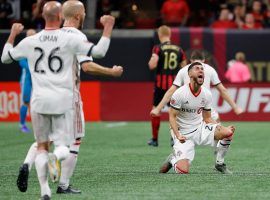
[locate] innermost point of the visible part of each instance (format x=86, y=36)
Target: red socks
x=155, y=121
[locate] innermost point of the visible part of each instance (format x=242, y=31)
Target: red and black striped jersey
x=170, y=57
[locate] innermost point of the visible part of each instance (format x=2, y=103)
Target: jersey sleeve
x=20, y=51
x=81, y=59
x=80, y=46
x=179, y=79
x=214, y=78
x=156, y=50
x=175, y=101
x=208, y=103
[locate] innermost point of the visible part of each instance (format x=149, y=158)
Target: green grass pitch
x=115, y=163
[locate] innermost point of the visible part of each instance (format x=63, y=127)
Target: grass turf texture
x=115, y=163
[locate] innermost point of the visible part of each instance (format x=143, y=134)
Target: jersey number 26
x=52, y=57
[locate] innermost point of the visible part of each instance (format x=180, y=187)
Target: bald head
x=74, y=13
x=72, y=8
x=52, y=11
x=30, y=32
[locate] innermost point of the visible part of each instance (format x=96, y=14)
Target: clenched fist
x=107, y=20
x=16, y=28
x=117, y=71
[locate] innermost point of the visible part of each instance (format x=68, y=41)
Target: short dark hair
x=197, y=55
x=193, y=64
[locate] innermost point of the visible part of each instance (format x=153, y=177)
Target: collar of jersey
x=50, y=29
x=192, y=91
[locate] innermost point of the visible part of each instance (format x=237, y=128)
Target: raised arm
x=226, y=96
x=16, y=29
x=100, y=49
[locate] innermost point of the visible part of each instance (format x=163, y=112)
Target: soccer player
x=74, y=14
x=50, y=54
x=166, y=59
x=190, y=120
x=210, y=78
x=26, y=88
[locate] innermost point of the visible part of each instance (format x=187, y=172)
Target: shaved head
x=30, y=32
x=74, y=10
x=52, y=11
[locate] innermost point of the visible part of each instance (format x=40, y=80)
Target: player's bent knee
x=222, y=132
x=182, y=167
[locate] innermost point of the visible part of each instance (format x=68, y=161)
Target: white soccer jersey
x=51, y=55
x=210, y=76
x=190, y=107
x=80, y=58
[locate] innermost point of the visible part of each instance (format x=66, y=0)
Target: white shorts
x=56, y=128
x=78, y=121
x=203, y=135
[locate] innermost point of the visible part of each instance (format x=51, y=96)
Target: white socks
x=68, y=166
x=42, y=169
x=222, y=149
x=31, y=155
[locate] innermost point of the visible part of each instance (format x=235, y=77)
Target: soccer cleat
x=69, y=190
x=152, y=142
x=25, y=129
x=54, y=167
x=166, y=166
x=45, y=197
x=222, y=168
x=22, y=180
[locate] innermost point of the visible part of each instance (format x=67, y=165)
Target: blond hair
x=164, y=31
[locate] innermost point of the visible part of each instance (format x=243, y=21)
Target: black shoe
x=166, y=166
x=152, y=142
x=45, y=197
x=22, y=179
x=222, y=168
x=69, y=190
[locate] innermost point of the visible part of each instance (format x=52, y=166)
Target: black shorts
x=158, y=95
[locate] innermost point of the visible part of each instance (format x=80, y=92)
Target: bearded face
x=197, y=74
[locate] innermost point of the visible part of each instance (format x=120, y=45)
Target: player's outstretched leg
x=67, y=168
x=22, y=180
x=224, y=134
x=155, y=122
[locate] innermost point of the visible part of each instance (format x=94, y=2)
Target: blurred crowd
x=140, y=14
x=237, y=14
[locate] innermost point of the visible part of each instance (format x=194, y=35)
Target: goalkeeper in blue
x=26, y=88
